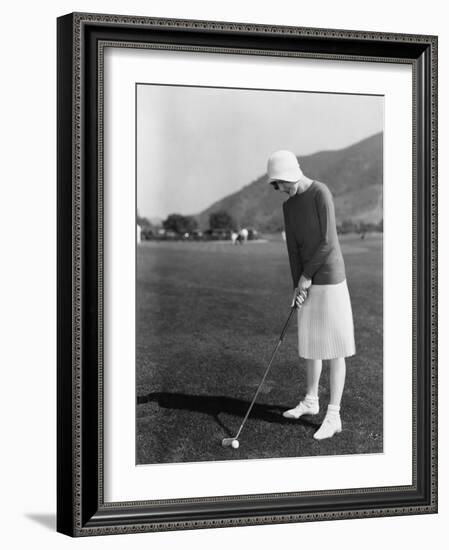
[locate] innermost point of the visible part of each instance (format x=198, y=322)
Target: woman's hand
x=299, y=297
x=304, y=283
x=300, y=292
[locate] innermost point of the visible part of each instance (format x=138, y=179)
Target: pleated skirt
x=325, y=323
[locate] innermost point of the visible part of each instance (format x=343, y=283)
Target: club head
x=227, y=441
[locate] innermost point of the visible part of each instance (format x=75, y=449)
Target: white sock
x=333, y=410
x=312, y=399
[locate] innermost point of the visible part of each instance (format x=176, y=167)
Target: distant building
x=139, y=233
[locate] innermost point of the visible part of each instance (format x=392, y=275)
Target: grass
x=209, y=315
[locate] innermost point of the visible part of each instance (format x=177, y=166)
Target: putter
x=234, y=441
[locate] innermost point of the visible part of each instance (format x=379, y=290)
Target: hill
x=354, y=175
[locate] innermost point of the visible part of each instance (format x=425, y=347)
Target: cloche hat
x=283, y=165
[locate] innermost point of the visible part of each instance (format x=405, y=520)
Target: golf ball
x=235, y=444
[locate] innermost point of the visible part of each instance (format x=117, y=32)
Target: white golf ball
x=235, y=444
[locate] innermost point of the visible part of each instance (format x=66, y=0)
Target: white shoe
x=331, y=425
x=306, y=406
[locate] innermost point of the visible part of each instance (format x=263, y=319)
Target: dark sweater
x=311, y=235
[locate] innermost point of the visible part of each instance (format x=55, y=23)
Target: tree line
x=222, y=220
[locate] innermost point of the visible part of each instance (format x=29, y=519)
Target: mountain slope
x=353, y=174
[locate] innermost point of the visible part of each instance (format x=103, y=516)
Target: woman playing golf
x=325, y=325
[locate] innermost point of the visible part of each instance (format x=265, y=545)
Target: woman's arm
x=292, y=249
x=326, y=216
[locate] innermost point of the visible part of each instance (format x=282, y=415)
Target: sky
x=196, y=145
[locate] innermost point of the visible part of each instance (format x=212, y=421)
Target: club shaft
x=293, y=309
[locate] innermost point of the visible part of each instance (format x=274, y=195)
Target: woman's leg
x=313, y=371
x=337, y=380
x=332, y=422
x=310, y=404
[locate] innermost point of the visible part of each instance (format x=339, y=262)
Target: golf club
x=234, y=441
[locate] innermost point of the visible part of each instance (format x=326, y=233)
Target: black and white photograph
x=246, y=275
x=223, y=305
x=259, y=273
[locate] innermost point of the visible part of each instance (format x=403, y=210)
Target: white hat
x=283, y=165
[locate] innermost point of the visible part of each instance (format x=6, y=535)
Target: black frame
x=81, y=510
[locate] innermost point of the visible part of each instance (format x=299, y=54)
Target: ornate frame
x=81, y=510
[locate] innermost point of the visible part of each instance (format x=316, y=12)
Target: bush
x=221, y=220
x=180, y=224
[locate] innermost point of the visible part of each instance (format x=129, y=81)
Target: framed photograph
x=247, y=274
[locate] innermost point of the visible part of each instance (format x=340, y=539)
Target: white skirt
x=325, y=324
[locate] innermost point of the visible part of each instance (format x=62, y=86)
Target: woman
x=325, y=324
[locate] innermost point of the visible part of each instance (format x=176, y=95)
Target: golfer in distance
x=325, y=324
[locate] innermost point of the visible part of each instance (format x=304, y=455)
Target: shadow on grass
x=214, y=405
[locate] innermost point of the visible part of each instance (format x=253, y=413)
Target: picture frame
x=81, y=507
